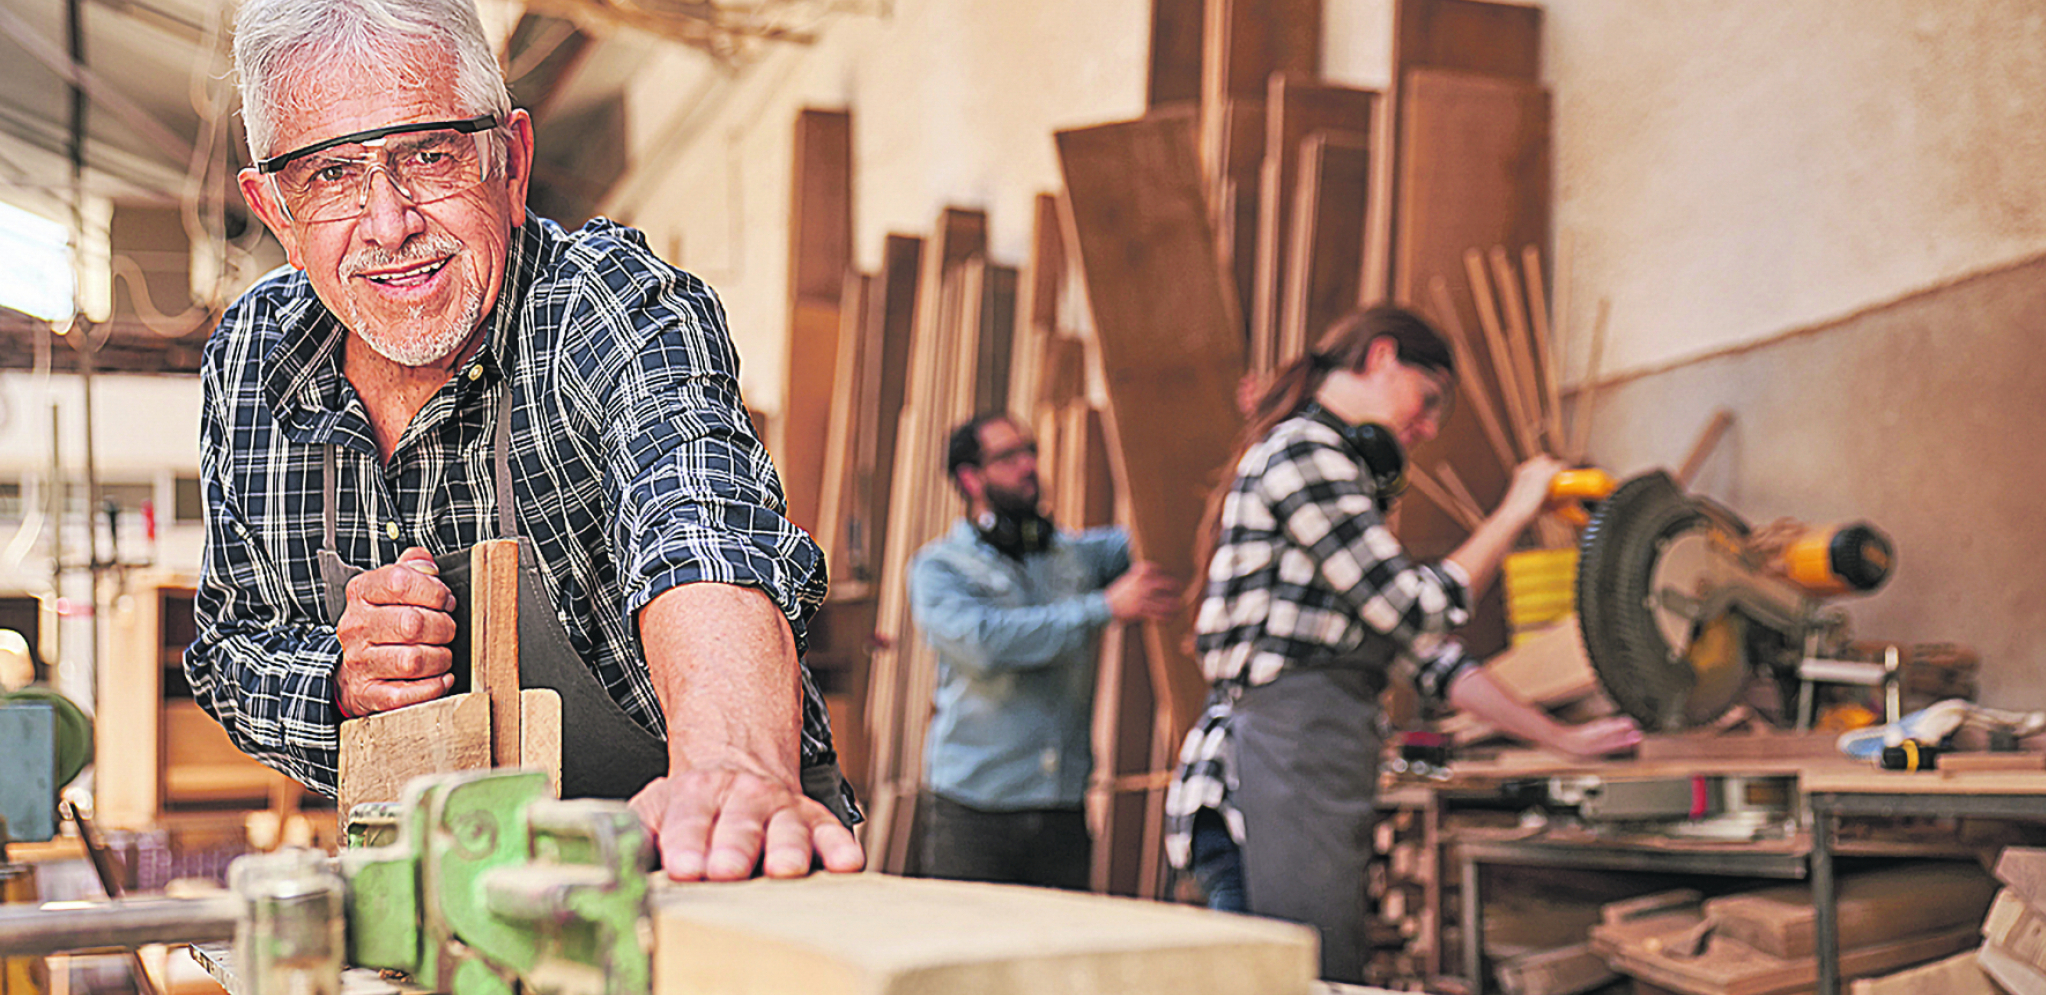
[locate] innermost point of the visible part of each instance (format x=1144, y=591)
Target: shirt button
x=391, y=529
x=476, y=372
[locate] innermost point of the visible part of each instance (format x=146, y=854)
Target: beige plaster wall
x=953, y=102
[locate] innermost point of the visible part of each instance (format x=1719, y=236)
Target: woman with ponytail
x=1309, y=605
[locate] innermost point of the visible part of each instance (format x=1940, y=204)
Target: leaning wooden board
x=875, y=934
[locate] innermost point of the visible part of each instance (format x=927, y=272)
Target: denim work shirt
x=1017, y=642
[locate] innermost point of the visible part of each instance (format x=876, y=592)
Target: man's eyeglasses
x=426, y=162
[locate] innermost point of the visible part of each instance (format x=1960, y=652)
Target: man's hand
x=715, y=823
x=1143, y=592
x=394, y=637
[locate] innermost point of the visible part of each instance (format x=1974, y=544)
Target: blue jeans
x=1217, y=863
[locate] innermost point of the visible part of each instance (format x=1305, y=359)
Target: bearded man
x=1015, y=609
x=439, y=366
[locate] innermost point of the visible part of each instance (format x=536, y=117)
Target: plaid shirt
x=634, y=466
x=1305, y=570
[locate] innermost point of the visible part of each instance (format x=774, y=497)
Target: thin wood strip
x=494, y=642
x=1435, y=492
x=1502, y=357
x=1702, y=448
x=855, y=333
x=1454, y=481
x=1467, y=373
x=1588, y=394
x=1545, y=356
x=1517, y=341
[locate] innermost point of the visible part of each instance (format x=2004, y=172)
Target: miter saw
x=1683, y=605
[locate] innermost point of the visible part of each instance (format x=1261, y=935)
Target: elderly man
x=442, y=367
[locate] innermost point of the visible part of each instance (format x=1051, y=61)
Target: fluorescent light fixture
x=37, y=278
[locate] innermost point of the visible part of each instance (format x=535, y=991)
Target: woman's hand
x=1599, y=737
x=1529, y=490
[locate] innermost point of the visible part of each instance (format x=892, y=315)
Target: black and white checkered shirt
x=1304, y=570
x=634, y=469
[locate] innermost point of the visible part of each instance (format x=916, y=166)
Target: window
x=37, y=278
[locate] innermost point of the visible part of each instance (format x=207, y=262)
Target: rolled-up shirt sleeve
x=258, y=664
x=697, y=496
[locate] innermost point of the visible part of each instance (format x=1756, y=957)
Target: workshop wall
x=1922, y=417
x=952, y=101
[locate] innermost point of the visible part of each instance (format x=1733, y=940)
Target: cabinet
x=158, y=754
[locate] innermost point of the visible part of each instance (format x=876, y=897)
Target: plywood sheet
x=874, y=934
x=1169, y=353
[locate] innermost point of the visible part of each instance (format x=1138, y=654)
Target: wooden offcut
x=1960, y=974
x=381, y=752
x=1169, y=352
x=494, y=642
x=873, y=934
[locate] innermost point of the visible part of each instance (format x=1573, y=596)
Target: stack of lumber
x=2013, y=951
x=1762, y=942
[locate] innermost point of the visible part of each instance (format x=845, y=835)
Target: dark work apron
x=605, y=753
x=1307, y=749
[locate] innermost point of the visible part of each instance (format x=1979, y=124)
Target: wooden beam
x=1294, y=109
x=1169, y=353
x=494, y=642
x=1327, y=236
x=820, y=251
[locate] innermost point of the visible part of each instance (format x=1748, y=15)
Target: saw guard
x=1650, y=676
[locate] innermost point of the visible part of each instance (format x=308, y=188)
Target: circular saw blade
x=1645, y=571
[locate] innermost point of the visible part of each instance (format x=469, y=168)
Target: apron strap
x=329, y=515
x=507, y=506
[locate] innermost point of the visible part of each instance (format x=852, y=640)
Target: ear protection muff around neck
x=1016, y=536
x=1375, y=446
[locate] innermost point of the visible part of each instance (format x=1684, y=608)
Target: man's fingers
x=401, y=584
x=382, y=696
x=740, y=835
x=836, y=845
x=686, y=821
x=401, y=662
x=788, y=845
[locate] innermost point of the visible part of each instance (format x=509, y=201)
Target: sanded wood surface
x=1170, y=354
x=380, y=752
x=494, y=642
x=540, y=734
x=876, y=934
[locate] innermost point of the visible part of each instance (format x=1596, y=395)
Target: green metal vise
x=483, y=884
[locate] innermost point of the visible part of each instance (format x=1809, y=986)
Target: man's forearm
x=724, y=664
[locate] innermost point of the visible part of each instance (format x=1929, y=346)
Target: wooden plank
x=1727, y=967
x=880, y=935
x=1294, y=109
x=380, y=752
x=997, y=330
x=2023, y=869
x=2011, y=973
x=1471, y=36
x=1960, y=974
x=858, y=345
x=1875, y=907
x=1232, y=150
x=540, y=734
x=1170, y=356
x=901, y=262
x=1327, y=239
x=1561, y=971
x=1713, y=745
x=1174, y=74
x=1472, y=165
x=820, y=251
x=494, y=642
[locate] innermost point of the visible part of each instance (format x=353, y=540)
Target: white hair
x=279, y=44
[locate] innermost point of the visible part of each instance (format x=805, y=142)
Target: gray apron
x=605, y=753
x=1307, y=768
